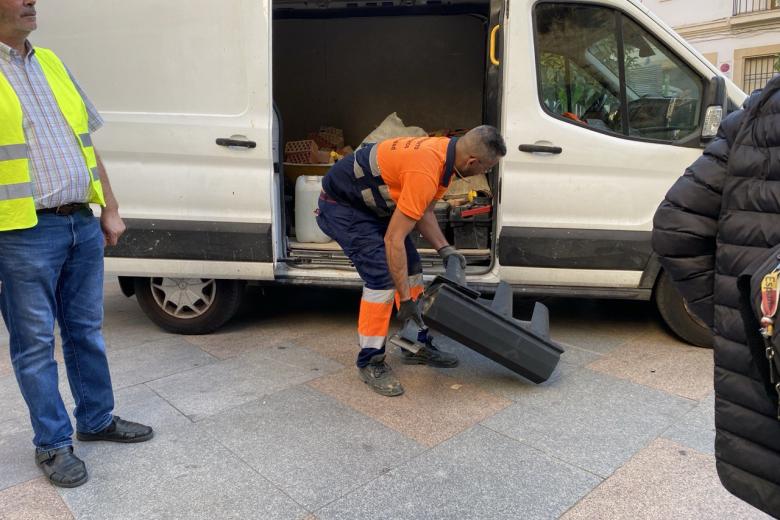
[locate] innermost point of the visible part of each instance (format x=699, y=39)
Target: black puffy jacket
x=720, y=217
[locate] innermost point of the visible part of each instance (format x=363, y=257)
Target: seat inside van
x=348, y=65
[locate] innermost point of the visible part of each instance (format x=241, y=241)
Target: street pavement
x=267, y=419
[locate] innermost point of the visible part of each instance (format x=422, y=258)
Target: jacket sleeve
x=686, y=223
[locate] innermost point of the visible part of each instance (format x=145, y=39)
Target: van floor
x=330, y=253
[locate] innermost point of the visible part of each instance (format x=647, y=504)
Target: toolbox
x=471, y=226
x=442, y=212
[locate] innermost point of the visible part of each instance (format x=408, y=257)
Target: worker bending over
x=370, y=203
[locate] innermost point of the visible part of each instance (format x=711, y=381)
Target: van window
x=664, y=95
x=601, y=70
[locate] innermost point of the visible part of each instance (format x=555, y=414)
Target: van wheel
x=189, y=305
x=675, y=313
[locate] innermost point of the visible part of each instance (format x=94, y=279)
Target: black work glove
x=408, y=310
x=448, y=252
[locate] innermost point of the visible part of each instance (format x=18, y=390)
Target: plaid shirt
x=57, y=168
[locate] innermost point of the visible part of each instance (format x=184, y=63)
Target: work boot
x=62, y=467
x=380, y=378
x=119, y=430
x=429, y=355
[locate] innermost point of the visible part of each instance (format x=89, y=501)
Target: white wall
x=685, y=12
x=680, y=13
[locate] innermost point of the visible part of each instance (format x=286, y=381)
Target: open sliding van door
x=184, y=88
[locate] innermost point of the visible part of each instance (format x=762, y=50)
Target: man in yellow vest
x=51, y=248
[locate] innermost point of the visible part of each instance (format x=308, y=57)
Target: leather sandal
x=62, y=467
x=119, y=431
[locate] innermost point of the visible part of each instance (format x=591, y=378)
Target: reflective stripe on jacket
x=17, y=206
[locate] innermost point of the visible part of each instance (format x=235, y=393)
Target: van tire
x=219, y=303
x=675, y=313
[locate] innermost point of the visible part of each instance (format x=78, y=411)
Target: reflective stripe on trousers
x=376, y=308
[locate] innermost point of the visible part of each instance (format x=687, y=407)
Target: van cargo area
x=340, y=71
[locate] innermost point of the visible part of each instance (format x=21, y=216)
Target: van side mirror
x=715, y=99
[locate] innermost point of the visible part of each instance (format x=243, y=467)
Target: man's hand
x=448, y=252
x=408, y=310
x=112, y=225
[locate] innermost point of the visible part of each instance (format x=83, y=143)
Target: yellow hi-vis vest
x=17, y=206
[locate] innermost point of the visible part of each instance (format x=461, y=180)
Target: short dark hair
x=488, y=142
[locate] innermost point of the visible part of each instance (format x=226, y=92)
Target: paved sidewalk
x=267, y=419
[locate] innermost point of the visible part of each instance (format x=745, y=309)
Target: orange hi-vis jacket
x=408, y=173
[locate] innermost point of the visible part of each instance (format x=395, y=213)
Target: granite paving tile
x=281, y=315
x=185, y=474
x=17, y=458
x=241, y=338
x=116, y=304
x=232, y=343
x=578, y=357
x=154, y=360
x=476, y=369
x=478, y=474
x=434, y=408
x=311, y=446
x=5, y=352
x=599, y=325
x=595, y=337
x=339, y=344
x=14, y=416
x=211, y=389
x=301, y=357
x=33, y=500
x=664, y=480
x=696, y=429
x=661, y=362
x=133, y=331
x=591, y=420
x=139, y=404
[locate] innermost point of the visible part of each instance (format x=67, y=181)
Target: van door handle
x=537, y=148
x=224, y=141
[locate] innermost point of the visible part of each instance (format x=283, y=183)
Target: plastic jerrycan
x=307, y=194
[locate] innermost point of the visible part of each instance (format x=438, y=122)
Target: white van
x=601, y=104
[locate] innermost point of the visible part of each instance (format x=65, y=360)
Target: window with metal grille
x=759, y=70
x=754, y=6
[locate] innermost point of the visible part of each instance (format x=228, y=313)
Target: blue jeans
x=55, y=270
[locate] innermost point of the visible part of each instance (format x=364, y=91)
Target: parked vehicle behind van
x=601, y=104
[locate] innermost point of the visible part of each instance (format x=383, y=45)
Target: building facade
x=741, y=37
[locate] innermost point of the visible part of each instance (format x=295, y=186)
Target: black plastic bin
x=502, y=339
